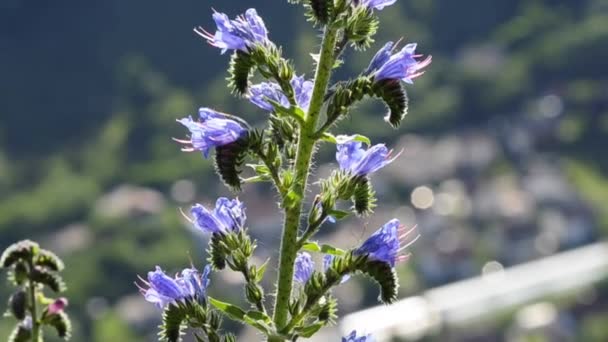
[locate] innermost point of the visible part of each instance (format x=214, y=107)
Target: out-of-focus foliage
x=89, y=93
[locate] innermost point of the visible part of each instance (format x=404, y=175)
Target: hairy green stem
x=33, y=309
x=305, y=149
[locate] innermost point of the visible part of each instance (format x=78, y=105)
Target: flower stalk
x=306, y=144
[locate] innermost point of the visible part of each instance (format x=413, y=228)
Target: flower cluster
x=163, y=290
x=227, y=216
x=388, y=242
x=386, y=65
x=282, y=154
x=259, y=94
x=352, y=157
x=239, y=34
x=212, y=130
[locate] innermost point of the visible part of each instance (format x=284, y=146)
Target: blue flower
x=304, y=266
x=239, y=34
x=194, y=283
x=327, y=260
x=375, y=4
x=303, y=91
x=163, y=290
x=387, y=243
x=227, y=216
x=399, y=66
x=259, y=94
x=352, y=337
x=214, y=129
x=353, y=158
x=381, y=57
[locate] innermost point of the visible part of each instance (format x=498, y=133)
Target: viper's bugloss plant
x=35, y=272
x=301, y=113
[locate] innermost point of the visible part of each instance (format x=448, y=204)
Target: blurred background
x=504, y=161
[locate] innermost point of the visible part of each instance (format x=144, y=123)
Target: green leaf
x=259, y=320
x=309, y=330
x=329, y=138
x=232, y=311
x=341, y=139
x=339, y=214
x=324, y=248
x=292, y=112
x=261, y=270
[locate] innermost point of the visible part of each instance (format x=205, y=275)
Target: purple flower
x=399, y=66
x=227, y=216
x=163, y=290
x=387, y=243
x=304, y=267
x=214, y=129
x=375, y=4
x=259, y=94
x=327, y=260
x=57, y=306
x=353, y=158
x=352, y=337
x=239, y=34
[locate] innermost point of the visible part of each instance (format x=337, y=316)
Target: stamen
x=182, y=141
x=410, y=243
x=186, y=216
x=407, y=232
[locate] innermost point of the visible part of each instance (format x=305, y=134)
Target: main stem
x=306, y=144
x=33, y=310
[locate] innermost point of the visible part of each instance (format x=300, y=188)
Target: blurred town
x=503, y=163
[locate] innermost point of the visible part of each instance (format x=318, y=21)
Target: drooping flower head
x=304, y=266
x=239, y=34
x=259, y=94
x=227, y=216
x=375, y=4
x=327, y=260
x=212, y=130
x=163, y=290
x=388, y=243
x=399, y=66
x=352, y=157
x=352, y=337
